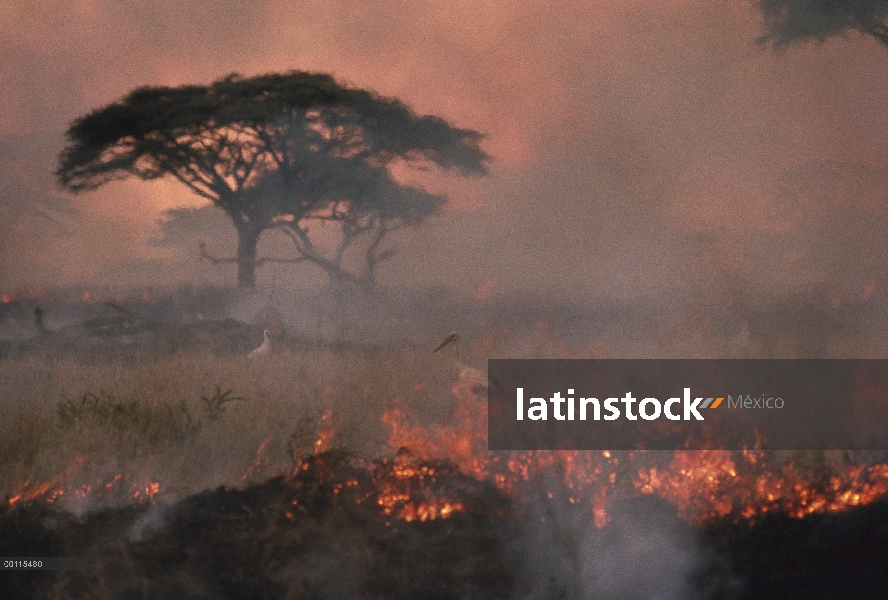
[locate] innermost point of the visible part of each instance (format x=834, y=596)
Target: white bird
x=476, y=377
x=267, y=346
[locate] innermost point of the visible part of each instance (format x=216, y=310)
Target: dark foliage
x=788, y=21
x=273, y=149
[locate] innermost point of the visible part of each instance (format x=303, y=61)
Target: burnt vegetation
x=318, y=534
x=321, y=534
x=173, y=485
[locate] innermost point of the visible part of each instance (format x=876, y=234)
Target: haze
x=644, y=151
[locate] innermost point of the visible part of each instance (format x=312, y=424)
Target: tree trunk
x=367, y=281
x=247, y=240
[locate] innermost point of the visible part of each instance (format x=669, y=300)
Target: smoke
x=644, y=551
x=644, y=154
x=32, y=212
x=149, y=522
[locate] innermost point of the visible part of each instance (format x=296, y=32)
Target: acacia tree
x=787, y=21
x=362, y=202
x=253, y=147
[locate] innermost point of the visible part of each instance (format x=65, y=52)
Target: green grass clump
x=152, y=423
x=215, y=404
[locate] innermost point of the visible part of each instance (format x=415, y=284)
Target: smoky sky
x=641, y=149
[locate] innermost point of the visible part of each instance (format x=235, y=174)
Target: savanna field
x=258, y=260
x=341, y=466
x=195, y=420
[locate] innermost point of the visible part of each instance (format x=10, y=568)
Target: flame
x=403, y=492
x=711, y=484
x=325, y=432
x=149, y=491
x=518, y=474
x=704, y=485
x=78, y=484
x=422, y=482
x=260, y=464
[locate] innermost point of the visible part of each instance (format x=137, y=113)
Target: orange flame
x=77, y=484
x=704, y=485
x=325, y=432
x=400, y=493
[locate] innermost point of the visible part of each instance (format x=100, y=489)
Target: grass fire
x=134, y=453
x=270, y=270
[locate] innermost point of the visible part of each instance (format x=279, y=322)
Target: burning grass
x=192, y=421
x=326, y=531
x=319, y=533
x=83, y=434
x=415, y=503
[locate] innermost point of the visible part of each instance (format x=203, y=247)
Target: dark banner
x=688, y=404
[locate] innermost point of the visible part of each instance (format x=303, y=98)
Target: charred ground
x=320, y=534
x=137, y=433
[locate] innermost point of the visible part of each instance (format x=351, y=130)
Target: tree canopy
x=788, y=21
x=274, y=150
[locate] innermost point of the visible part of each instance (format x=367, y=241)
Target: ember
x=425, y=480
x=438, y=487
x=704, y=485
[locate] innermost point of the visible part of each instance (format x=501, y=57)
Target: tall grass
x=192, y=421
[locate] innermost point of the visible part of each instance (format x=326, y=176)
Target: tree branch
x=204, y=255
x=308, y=253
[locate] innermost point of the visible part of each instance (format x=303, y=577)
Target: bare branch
x=204, y=255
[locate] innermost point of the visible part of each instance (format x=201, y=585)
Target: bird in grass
x=267, y=346
x=476, y=377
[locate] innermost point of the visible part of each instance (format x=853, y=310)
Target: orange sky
x=619, y=129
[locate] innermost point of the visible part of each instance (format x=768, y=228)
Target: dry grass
x=161, y=419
